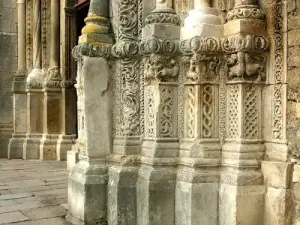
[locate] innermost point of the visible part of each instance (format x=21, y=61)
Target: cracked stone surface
x=33, y=192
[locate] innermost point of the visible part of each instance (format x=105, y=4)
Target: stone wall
x=8, y=66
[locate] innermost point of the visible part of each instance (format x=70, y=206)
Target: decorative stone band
x=230, y=44
x=246, y=12
x=159, y=46
x=91, y=50
x=125, y=49
x=6, y=126
x=164, y=16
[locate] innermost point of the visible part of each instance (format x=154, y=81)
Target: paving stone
x=28, y=183
x=12, y=217
x=45, y=212
x=17, y=207
x=51, y=221
x=52, y=202
x=14, y=196
x=7, y=202
x=51, y=192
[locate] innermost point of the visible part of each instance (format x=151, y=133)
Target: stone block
x=254, y=27
x=162, y=31
x=87, y=194
x=122, y=195
x=241, y=204
x=296, y=173
x=294, y=22
x=72, y=159
x=31, y=148
x=278, y=205
x=156, y=196
x=196, y=203
x=294, y=37
x=276, y=174
x=97, y=126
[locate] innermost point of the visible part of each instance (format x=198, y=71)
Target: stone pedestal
x=52, y=122
x=15, y=146
x=35, y=124
x=87, y=189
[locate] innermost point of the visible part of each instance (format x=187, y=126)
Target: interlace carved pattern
x=278, y=70
x=166, y=113
x=128, y=29
x=222, y=105
x=29, y=34
x=181, y=101
x=251, y=112
x=207, y=111
x=191, y=104
x=150, y=113
x=233, y=111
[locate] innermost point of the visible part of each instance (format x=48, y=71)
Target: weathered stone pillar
x=87, y=188
x=241, y=190
x=15, y=147
x=160, y=147
x=200, y=150
x=34, y=92
x=122, y=198
x=52, y=92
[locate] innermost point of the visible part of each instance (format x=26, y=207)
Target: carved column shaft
x=37, y=51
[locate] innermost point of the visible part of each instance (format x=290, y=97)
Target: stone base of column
x=130, y=145
x=64, y=145
x=87, y=194
x=15, y=146
x=156, y=194
x=241, y=204
x=31, y=146
x=122, y=195
x=72, y=157
x=197, y=196
x=48, y=146
x=278, y=198
x=204, y=148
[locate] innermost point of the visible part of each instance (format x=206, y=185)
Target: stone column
x=87, y=188
x=52, y=93
x=68, y=69
x=34, y=92
x=200, y=150
x=157, y=175
x=241, y=190
x=15, y=147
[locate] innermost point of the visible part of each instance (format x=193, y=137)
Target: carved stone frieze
x=91, y=51
x=201, y=45
x=161, y=68
x=245, y=42
x=159, y=46
x=125, y=49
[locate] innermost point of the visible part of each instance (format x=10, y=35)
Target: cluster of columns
x=161, y=178
x=38, y=104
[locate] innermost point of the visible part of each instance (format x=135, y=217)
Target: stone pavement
x=33, y=192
